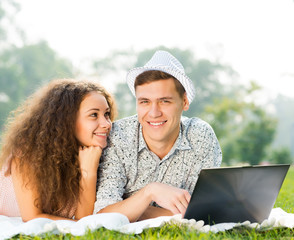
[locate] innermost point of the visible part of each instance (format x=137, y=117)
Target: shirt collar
x=142, y=143
x=182, y=143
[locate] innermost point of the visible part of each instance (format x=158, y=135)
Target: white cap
x=165, y=62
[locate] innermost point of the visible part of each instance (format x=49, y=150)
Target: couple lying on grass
x=61, y=160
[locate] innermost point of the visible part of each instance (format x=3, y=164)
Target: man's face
x=159, y=108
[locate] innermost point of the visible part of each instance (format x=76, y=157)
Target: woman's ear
x=186, y=102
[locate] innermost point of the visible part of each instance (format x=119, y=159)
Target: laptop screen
x=236, y=194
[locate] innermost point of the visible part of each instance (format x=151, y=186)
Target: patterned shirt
x=127, y=165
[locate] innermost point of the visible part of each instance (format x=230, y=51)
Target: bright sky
x=256, y=37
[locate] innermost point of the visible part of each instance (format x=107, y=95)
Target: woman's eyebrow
x=96, y=109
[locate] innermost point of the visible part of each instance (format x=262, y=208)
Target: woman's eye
x=94, y=115
x=107, y=114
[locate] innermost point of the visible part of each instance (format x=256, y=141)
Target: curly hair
x=40, y=138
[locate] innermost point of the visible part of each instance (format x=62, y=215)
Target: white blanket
x=10, y=227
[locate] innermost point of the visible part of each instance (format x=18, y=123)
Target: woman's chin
x=101, y=145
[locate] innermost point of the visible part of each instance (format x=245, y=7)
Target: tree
x=243, y=128
x=24, y=69
x=202, y=72
x=281, y=156
x=256, y=135
x=284, y=110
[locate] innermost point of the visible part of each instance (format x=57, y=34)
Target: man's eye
x=143, y=102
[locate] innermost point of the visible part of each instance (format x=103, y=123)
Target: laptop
x=236, y=194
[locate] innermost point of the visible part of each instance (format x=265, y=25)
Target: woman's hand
x=89, y=158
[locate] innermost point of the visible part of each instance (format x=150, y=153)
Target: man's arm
x=214, y=155
x=153, y=212
x=173, y=199
x=111, y=180
x=205, y=153
x=111, y=183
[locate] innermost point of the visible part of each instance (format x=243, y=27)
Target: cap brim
x=182, y=78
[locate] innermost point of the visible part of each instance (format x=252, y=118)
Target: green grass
x=285, y=198
x=285, y=201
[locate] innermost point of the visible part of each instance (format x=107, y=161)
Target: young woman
x=51, y=150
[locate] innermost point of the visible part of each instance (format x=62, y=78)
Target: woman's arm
x=26, y=197
x=26, y=194
x=89, y=161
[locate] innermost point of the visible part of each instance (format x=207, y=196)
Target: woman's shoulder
x=8, y=202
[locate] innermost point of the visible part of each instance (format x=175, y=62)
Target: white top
x=8, y=203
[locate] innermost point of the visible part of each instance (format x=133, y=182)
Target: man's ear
x=186, y=103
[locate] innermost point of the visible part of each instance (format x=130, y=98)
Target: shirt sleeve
x=111, y=179
x=206, y=148
x=213, y=149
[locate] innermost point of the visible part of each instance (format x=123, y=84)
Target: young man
x=153, y=159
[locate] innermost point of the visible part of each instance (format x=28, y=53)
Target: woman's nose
x=105, y=122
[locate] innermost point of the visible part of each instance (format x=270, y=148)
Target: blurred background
x=239, y=54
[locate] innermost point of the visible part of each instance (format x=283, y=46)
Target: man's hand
x=174, y=199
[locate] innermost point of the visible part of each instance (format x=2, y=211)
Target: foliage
x=204, y=74
x=125, y=100
x=256, y=135
x=284, y=110
x=281, y=156
x=243, y=128
x=172, y=231
x=23, y=69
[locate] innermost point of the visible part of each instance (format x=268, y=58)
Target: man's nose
x=154, y=110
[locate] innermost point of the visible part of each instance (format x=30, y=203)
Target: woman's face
x=93, y=121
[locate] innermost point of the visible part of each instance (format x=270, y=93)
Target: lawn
x=285, y=201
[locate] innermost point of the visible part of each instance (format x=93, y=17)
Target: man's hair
x=155, y=75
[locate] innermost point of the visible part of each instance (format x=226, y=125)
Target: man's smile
x=156, y=123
